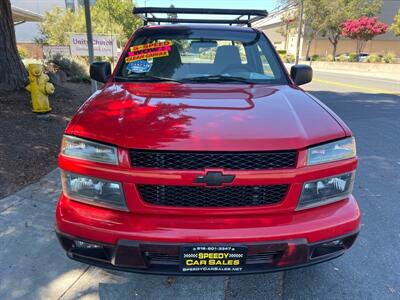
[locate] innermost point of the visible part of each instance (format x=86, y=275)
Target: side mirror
x=301, y=74
x=100, y=71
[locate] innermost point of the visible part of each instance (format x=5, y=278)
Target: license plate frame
x=212, y=258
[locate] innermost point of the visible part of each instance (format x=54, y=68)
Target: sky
x=232, y=4
x=26, y=32
x=240, y=4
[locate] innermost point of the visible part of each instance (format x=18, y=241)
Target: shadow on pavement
x=360, y=105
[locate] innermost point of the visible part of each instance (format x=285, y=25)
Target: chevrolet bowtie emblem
x=214, y=179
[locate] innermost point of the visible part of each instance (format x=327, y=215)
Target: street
x=34, y=265
x=339, y=81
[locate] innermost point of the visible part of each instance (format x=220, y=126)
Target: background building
x=275, y=29
x=27, y=32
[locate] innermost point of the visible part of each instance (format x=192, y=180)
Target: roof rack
x=252, y=15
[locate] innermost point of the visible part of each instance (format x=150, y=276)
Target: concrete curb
x=370, y=68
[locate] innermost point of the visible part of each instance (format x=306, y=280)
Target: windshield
x=198, y=55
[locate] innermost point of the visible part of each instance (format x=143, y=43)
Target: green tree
x=396, y=24
x=121, y=14
x=314, y=16
x=109, y=17
x=325, y=17
x=341, y=10
x=313, y=19
x=56, y=25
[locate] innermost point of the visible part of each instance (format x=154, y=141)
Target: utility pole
x=299, y=31
x=90, y=40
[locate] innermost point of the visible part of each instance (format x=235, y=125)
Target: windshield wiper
x=216, y=78
x=149, y=78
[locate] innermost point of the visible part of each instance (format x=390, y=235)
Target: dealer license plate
x=211, y=258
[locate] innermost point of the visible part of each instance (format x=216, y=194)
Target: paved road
x=342, y=82
x=33, y=266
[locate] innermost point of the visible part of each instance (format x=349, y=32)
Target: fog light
x=85, y=245
x=328, y=248
x=333, y=243
x=95, y=191
x=326, y=190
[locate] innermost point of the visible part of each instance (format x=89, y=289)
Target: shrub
x=74, y=67
x=353, y=57
x=289, y=58
x=23, y=53
x=389, y=58
x=343, y=58
x=329, y=57
x=315, y=57
x=374, y=58
x=281, y=51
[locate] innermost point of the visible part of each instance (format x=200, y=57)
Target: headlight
x=326, y=190
x=337, y=150
x=94, y=191
x=83, y=149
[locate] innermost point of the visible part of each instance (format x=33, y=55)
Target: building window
x=74, y=4
x=91, y=2
x=70, y=4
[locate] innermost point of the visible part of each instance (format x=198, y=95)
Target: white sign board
x=103, y=45
x=50, y=51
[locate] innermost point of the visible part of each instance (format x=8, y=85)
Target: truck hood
x=233, y=117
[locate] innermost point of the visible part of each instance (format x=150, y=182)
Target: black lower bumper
x=163, y=258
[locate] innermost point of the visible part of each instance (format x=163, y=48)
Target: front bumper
x=151, y=243
x=162, y=258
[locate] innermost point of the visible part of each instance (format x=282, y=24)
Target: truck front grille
x=184, y=160
x=200, y=196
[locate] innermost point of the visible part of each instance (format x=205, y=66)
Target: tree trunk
x=360, y=48
x=334, y=41
x=334, y=51
x=13, y=74
x=308, y=48
x=286, y=36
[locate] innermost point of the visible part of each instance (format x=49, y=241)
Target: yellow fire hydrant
x=40, y=89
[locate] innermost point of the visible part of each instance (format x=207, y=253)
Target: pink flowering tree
x=363, y=30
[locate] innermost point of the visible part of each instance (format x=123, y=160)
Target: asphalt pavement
x=34, y=266
x=341, y=82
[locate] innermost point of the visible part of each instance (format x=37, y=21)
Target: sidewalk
x=34, y=265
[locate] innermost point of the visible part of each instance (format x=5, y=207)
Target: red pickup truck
x=201, y=155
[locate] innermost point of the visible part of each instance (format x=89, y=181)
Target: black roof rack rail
x=147, y=14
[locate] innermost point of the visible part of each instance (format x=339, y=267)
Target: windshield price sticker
x=147, y=51
x=213, y=258
x=151, y=46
